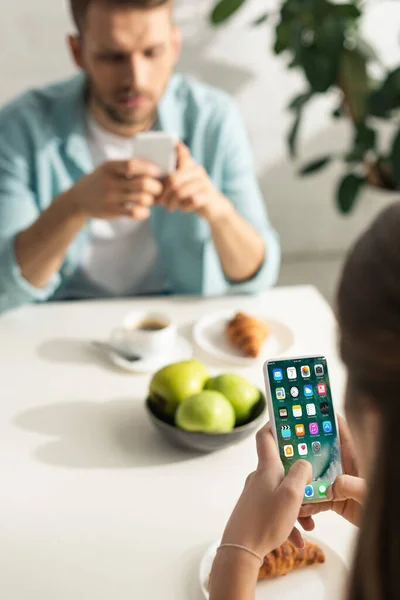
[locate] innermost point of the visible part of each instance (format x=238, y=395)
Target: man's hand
x=190, y=189
x=118, y=189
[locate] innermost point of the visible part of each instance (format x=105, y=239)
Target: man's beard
x=121, y=117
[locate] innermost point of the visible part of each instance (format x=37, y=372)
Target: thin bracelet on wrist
x=245, y=549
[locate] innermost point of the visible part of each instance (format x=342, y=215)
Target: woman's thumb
x=347, y=487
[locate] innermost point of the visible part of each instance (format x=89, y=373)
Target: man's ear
x=75, y=46
x=176, y=43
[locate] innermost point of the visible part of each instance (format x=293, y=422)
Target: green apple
x=174, y=383
x=208, y=412
x=242, y=394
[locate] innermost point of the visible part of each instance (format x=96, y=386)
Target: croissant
x=247, y=333
x=287, y=558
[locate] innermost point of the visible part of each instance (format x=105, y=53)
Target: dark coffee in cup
x=151, y=325
x=147, y=334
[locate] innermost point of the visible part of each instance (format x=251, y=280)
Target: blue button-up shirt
x=44, y=151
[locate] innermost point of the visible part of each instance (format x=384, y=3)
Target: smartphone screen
x=301, y=408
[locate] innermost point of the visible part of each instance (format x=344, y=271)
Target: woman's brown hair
x=369, y=321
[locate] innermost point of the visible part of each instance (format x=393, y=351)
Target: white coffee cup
x=146, y=334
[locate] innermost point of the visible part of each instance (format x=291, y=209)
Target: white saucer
x=209, y=335
x=325, y=582
x=182, y=351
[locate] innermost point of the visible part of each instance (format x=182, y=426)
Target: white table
x=94, y=504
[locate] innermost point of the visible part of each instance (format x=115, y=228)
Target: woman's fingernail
x=329, y=493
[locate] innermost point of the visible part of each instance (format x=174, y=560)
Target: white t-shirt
x=120, y=258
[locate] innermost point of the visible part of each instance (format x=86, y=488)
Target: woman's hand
x=263, y=519
x=267, y=510
x=346, y=495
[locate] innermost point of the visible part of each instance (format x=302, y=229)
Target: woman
x=369, y=323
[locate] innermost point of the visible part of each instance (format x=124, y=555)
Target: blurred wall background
x=238, y=58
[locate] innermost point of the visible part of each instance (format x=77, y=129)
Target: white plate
x=209, y=335
x=182, y=351
x=322, y=582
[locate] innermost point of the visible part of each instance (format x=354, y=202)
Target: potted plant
x=323, y=40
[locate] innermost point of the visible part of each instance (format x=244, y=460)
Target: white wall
x=237, y=58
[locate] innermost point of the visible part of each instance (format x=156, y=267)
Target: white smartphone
x=303, y=419
x=157, y=147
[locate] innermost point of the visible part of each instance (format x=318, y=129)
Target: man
x=79, y=218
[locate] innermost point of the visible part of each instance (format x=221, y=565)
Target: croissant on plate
x=287, y=558
x=247, y=333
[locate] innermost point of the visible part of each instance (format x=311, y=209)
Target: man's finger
x=141, y=199
x=189, y=190
x=180, y=178
x=347, y=487
x=140, y=213
x=133, y=168
x=195, y=204
x=183, y=155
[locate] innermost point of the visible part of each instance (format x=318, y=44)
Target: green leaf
x=292, y=138
x=260, y=20
x=346, y=11
x=299, y=101
x=224, y=10
x=395, y=157
x=321, y=58
x=315, y=165
x=364, y=140
x=282, y=37
x=387, y=98
x=354, y=83
x=348, y=191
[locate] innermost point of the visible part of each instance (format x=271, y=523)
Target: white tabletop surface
x=93, y=503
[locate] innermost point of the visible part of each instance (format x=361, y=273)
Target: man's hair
x=79, y=8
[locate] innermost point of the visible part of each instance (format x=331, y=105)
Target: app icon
x=309, y=491
x=303, y=450
x=294, y=392
x=322, y=489
x=288, y=451
x=321, y=387
x=311, y=410
x=297, y=411
x=286, y=431
x=280, y=393
x=316, y=447
x=277, y=374
x=283, y=413
x=305, y=372
x=308, y=390
x=324, y=408
x=314, y=429
x=319, y=370
x=300, y=430
x=327, y=426
x=291, y=373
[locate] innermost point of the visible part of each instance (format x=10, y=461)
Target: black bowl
x=206, y=442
